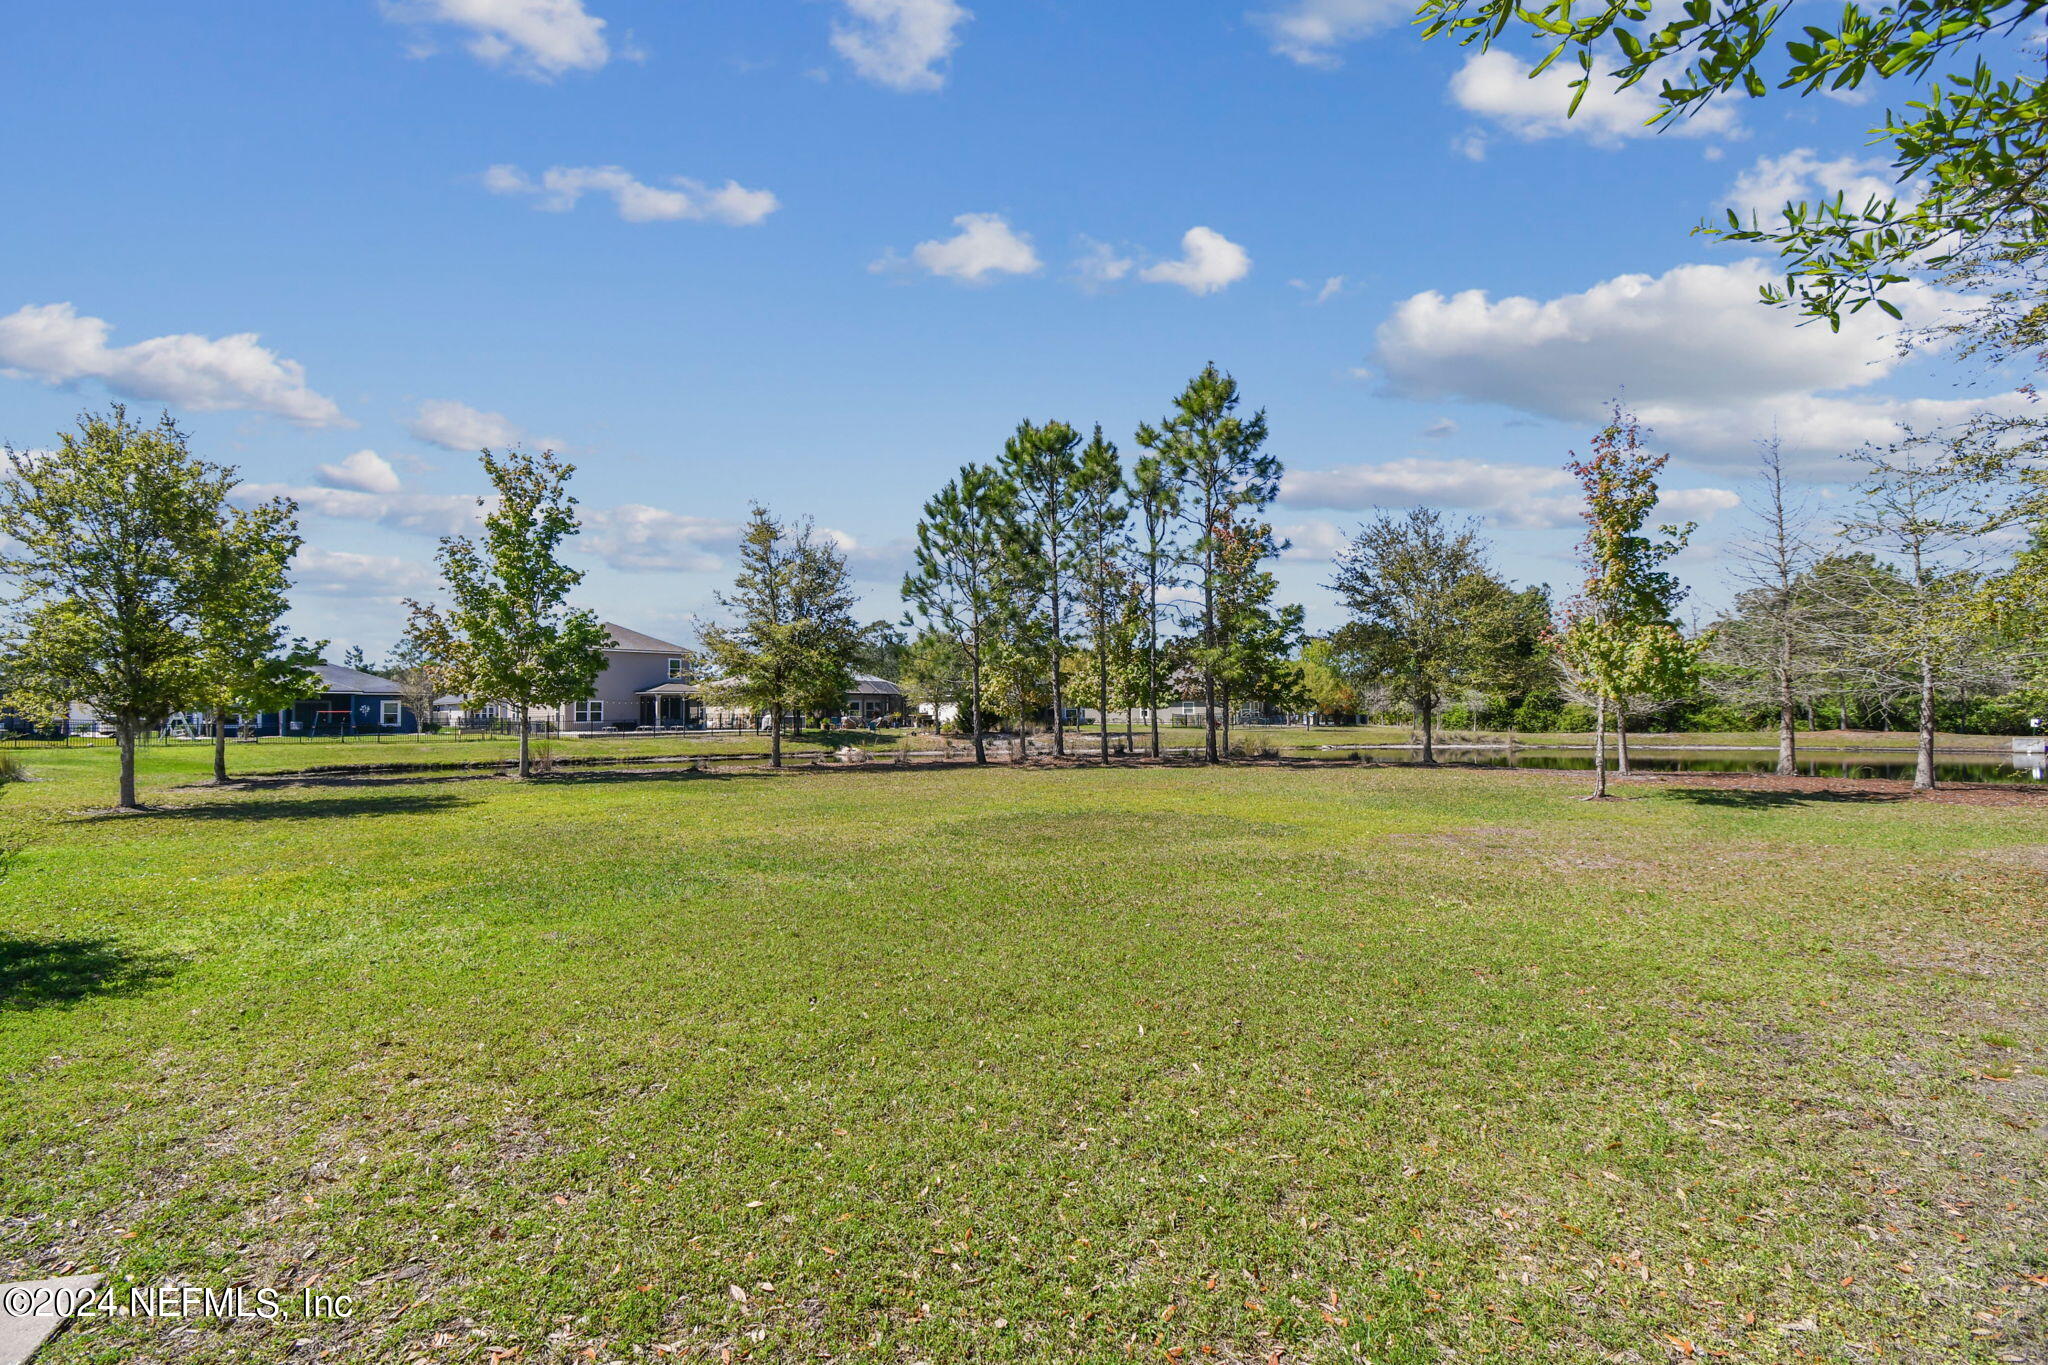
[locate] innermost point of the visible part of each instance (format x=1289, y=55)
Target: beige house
x=644, y=685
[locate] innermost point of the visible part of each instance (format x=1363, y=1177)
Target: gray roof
x=622, y=638
x=678, y=687
x=335, y=678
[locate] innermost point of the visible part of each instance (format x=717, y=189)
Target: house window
x=675, y=669
x=391, y=715
x=589, y=712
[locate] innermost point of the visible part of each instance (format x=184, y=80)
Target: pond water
x=1976, y=768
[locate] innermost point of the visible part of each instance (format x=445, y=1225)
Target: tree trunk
x=1017, y=749
x=1428, y=734
x=1102, y=683
x=1923, y=758
x=1152, y=661
x=1621, y=738
x=1152, y=700
x=1225, y=709
x=775, y=735
x=974, y=712
x=126, y=733
x=1600, y=748
x=525, y=743
x=220, y=751
x=1209, y=716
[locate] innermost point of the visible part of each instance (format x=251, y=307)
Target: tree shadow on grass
x=313, y=808
x=1752, y=798
x=36, y=973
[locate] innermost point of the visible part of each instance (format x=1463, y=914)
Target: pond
x=1978, y=767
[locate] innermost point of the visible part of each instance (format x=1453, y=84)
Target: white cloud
x=1497, y=86
x=1322, y=293
x=985, y=245
x=1695, y=504
x=1209, y=261
x=635, y=538
x=541, y=39
x=341, y=573
x=1801, y=174
x=1102, y=264
x=884, y=563
x=458, y=426
x=632, y=537
x=365, y=471
x=899, y=43
x=1442, y=428
x=1314, y=542
x=52, y=343
x=1472, y=145
x=1511, y=494
x=1519, y=495
x=678, y=199
x=1691, y=351
x=1311, y=31
x=430, y=514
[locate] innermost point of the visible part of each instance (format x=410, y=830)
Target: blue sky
x=820, y=252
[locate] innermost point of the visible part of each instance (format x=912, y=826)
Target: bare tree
x=1765, y=648
x=1927, y=514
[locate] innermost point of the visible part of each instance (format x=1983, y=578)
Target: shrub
x=11, y=769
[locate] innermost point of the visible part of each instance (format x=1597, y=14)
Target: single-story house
x=350, y=702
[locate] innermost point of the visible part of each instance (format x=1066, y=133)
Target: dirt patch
x=1855, y=788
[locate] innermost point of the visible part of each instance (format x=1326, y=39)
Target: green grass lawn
x=944, y=1065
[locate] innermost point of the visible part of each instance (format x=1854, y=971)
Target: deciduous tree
x=1618, y=636
x=1968, y=156
x=1428, y=613
x=113, y=535
x=247, y=662
x=508, y=633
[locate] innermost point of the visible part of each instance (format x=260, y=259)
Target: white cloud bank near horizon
x=1692, y=352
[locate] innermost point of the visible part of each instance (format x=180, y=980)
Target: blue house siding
x=356, y=703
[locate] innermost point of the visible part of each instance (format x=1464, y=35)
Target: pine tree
x=1040, y=465
x=1155, y=503
x=1218, y=466
x=956, y=583
x=1101, y=547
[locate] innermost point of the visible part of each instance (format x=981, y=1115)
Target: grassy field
x=1048, y=1064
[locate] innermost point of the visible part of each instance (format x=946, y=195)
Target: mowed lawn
x=943, y=1065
